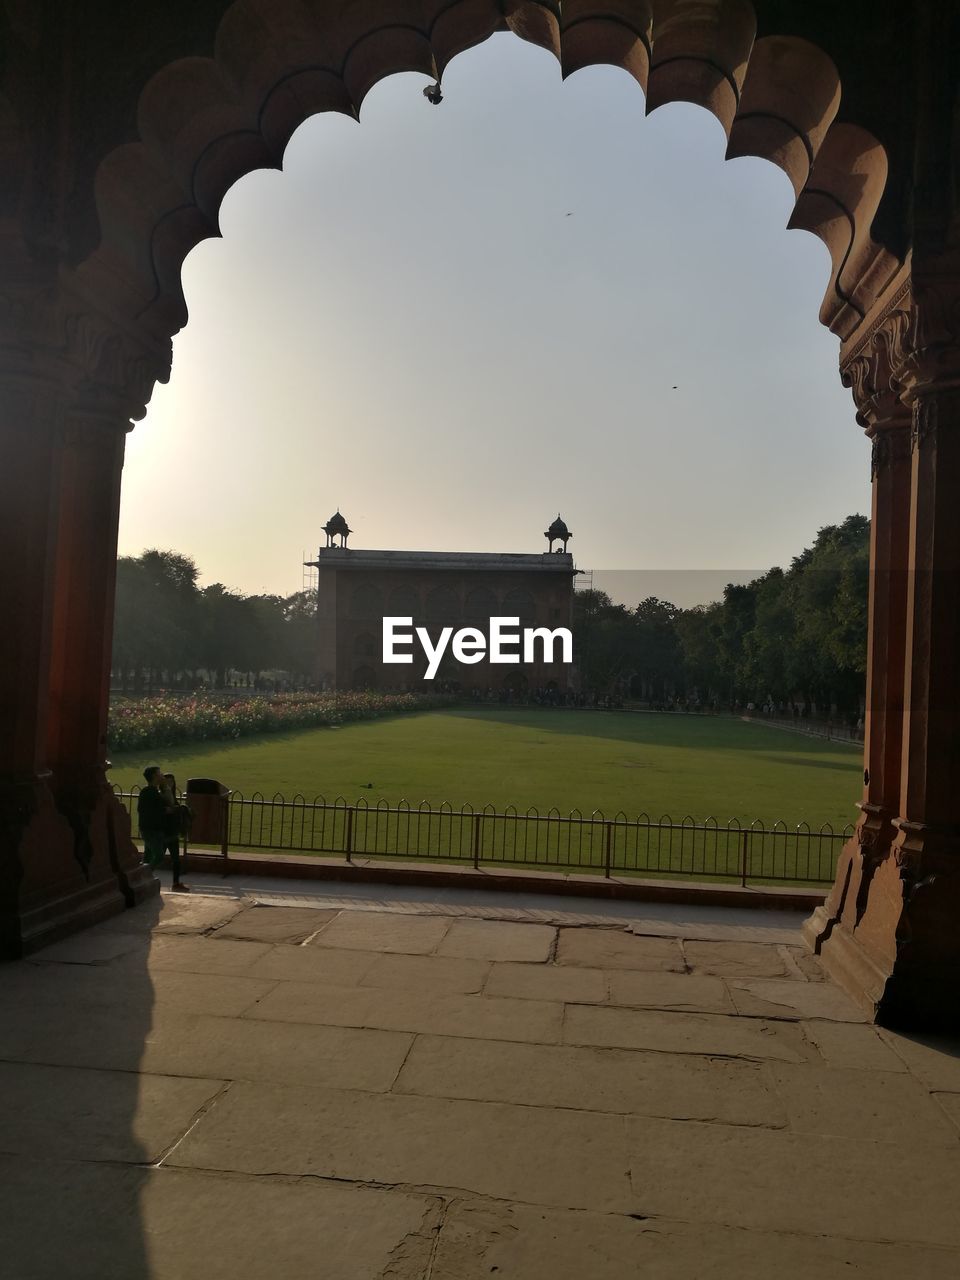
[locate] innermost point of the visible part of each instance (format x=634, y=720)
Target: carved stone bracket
x=873, y=371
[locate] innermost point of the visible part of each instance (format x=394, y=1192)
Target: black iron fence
x=831, y=730
x=592, y=843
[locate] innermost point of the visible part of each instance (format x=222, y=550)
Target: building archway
x=98, y=216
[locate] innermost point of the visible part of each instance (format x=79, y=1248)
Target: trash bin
x=209, y=803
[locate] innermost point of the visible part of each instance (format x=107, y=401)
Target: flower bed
x=169, y=719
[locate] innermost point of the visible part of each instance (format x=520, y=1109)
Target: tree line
x=794, y=638
x=791, y=638
x=170, y=632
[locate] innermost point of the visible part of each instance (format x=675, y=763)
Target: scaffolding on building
x=311, y=574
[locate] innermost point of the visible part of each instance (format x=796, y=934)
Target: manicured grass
x=657, y=764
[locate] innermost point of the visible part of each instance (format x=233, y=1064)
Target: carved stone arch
x=700, y=54
x=790, y=98
x=204, y=122
x=838, y=204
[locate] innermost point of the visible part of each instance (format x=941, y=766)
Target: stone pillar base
x=55, y=918
x=891, y=940
x=58, y=876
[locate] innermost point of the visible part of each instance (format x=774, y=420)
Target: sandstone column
x=923, y=880
x=44, y=889
x=85, y=576
x=886, y=420
x=890, y=931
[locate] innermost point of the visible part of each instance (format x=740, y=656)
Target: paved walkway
x=381, y=1087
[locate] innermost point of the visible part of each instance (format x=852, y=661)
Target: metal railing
x=591, y=843
x=831, y=730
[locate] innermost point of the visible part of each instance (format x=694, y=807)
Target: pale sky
x=406, y=324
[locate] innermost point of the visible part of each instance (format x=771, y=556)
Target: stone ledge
x=514, y=880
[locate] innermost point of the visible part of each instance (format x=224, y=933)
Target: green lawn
x=587, y=760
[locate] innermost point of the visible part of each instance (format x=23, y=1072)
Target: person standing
x=177, y=815
x=152, y=816
x=159, y=817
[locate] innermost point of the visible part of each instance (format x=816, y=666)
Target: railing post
x=744, y=858
x=476, y=841
x=348, y=835
x=225, y=835
x=608, y=849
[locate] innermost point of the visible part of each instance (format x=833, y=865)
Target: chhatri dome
x=337, y=527
x=558, y=532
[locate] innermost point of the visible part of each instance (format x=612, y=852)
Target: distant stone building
x=357, y=589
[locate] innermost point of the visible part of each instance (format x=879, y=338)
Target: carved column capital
x=913, y=348
x=927, y=346
x=53, y=346
x=872, y=373
x=113, y=368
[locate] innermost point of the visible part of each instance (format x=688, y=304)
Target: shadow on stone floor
x=80, y=1127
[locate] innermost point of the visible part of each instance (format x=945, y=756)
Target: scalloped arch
x=206, y=122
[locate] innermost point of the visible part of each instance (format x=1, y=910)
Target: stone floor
x=384, y=1088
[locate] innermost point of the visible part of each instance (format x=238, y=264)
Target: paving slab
x=765, y=1179
x=933, y=1059
x=701, y=1033
x=329, y=966
x=547, y=982
x=567, y=1158
x=609, y=1080
x=618, y=949
x=24, y=984
x=480, y=1239
x=93, y=986
x=383, y=931
x=889, y=1106
x=425, y=1012
x=498, y=940
x=441, y=973
x=856, y=1047
x=681, y=991
x=809, y=965
x=98, y=945
x=783, y=998
x=275, y=924
x=200, y=955
x=69, y=1113
x=276, y=1052
x=176, y=913
x=950, y=1104
x=106, y=1037
x=735, y=959
x=115, y=1223
x=221, y=993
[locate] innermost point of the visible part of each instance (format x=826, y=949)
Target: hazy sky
x=407, y=324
